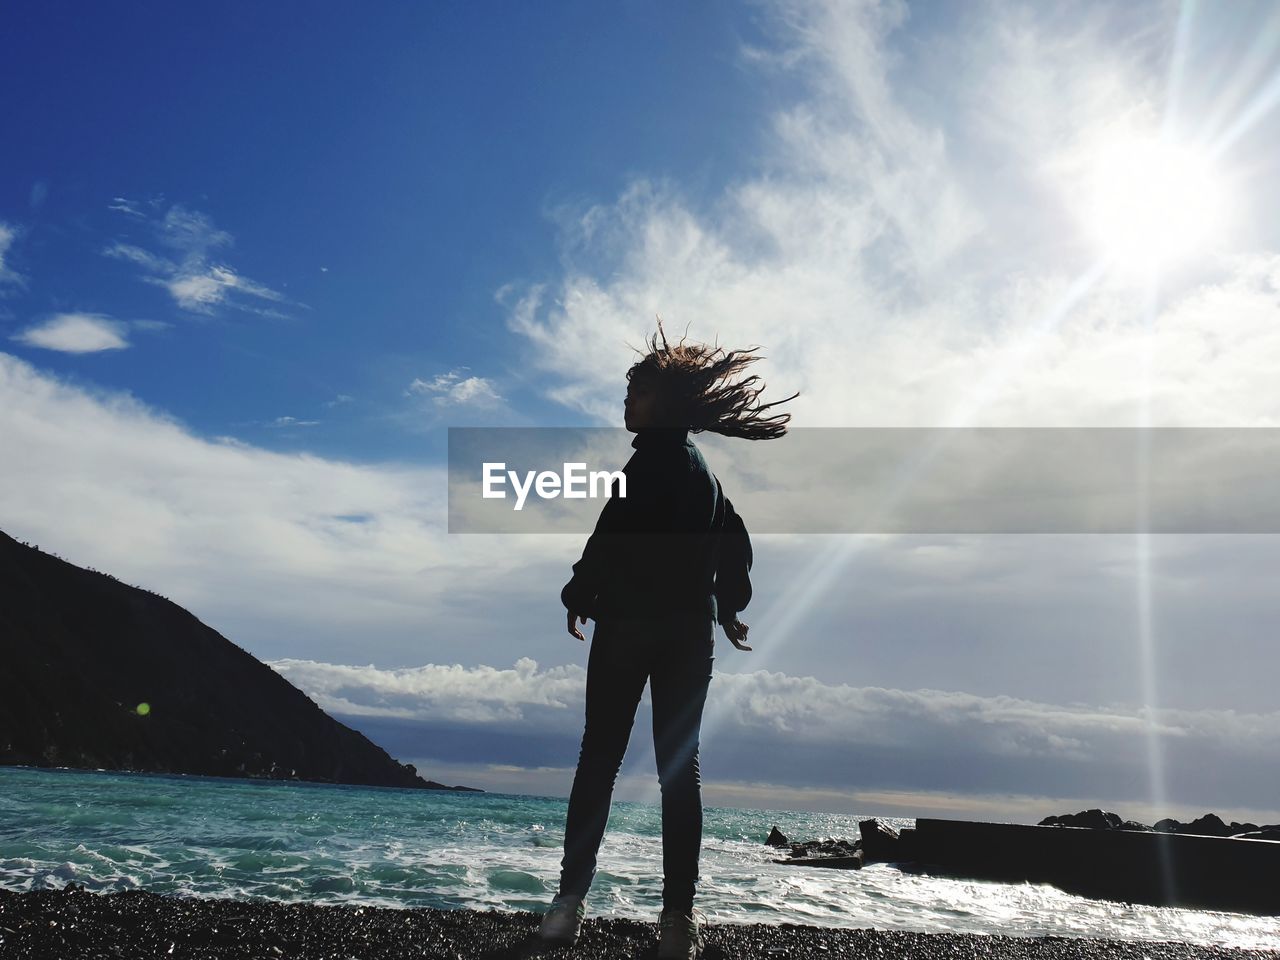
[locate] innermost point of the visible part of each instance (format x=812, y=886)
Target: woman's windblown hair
x=695, y=380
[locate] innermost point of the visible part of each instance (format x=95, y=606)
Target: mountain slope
x=80, y=651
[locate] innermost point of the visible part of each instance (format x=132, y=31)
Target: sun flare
x=1152, y=203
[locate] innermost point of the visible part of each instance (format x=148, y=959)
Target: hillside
x=81, y=651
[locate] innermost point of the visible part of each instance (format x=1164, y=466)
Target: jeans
x=674, y=655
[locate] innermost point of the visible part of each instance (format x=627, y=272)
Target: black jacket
x=674, y=544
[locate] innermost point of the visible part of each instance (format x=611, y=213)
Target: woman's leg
x=616, y=675
x=678, y=684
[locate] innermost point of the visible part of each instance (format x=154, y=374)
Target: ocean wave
x=410, y=849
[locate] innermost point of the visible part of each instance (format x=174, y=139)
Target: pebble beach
x=73, y=922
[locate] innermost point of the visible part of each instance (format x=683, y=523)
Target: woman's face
x=643, y=406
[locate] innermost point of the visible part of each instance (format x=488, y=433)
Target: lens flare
x=1152, y=203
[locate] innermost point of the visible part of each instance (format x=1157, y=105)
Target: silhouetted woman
x=664, y=564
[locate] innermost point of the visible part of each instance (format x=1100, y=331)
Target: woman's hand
x=737, y=632
x=573, y=629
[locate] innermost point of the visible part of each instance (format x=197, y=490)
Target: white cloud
x=282, y=552
x=472, y=695
x=76, y=333
x=776, y=728
x=293, y=422
x=455, y=389
x=126, y=206
x=770, y=704
x=135, y=254
x=903, y=246
x=8, y=276
x=195, y=280
x=208, y=286
x=197, y=291
x=190, y=232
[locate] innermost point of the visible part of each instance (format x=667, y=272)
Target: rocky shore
x=1210, y=825
x=1206, y=864
x=75, y=923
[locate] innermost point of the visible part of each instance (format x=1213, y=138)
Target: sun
x=1151, y=203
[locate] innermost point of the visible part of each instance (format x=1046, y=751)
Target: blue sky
x=384, y=176
x=255, y=261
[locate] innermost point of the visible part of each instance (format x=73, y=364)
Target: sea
x=193, y=836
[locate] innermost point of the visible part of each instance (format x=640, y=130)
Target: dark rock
x=1094, y=819
x=1210, y=825
x=777, y=838
x=1135, y=825
x=825, y=848
x=907, y=844
x=99, y=674
x=835, y=854
x=879, y=841
x=1167, y=825
x=1266, y=833
x=1243, y=828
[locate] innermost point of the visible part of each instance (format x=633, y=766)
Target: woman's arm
x=579, y=594
x=733, y=575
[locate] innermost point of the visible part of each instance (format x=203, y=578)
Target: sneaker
x=562, y=923
x=681, y=934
